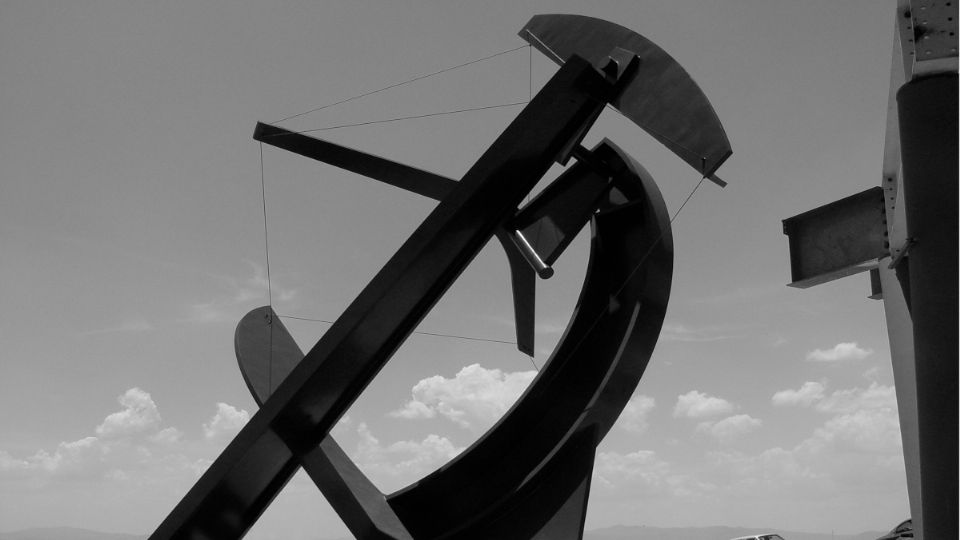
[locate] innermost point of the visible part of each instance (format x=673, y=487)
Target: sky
x=132, y=233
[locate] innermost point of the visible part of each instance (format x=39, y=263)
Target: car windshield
x=769, y=537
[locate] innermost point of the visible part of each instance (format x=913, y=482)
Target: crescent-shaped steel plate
x=588, y=379
x=662, y=99
x=537, y=460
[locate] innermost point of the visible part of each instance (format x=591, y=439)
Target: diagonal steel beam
x=241, y=483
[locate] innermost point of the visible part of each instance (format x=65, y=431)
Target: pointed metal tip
x=526, y=349
x=716, y=180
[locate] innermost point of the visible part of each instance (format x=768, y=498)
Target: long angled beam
x=396, y=174
x=267, y=353
x=428, y=184
x=589, y=377
x=554, y=217
x=241, y=483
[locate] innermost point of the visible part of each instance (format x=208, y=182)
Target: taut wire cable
x=419, y=78
x=266, y=249
x=399, y=118
x=530, y=98
x=639, y=264
x=435, y=334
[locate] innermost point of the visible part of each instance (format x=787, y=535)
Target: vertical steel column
x=900, y=334
x=928, y=141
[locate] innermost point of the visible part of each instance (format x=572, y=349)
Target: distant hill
x=609, y=533
x=66, y=533
x=710, y=533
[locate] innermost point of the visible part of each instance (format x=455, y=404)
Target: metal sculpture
x=529, y=476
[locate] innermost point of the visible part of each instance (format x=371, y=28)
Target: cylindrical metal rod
x=533, y=258
x=928, y=145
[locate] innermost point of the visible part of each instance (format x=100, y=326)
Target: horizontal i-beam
x=838, y=239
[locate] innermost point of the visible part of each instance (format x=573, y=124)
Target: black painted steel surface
x=588, y=379
x=927, y=110
x=240, y=484
x=554, y=428
x=528, y=477
x=428, y=184
x=663, y=100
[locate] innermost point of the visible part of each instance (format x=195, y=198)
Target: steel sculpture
x=529, y=476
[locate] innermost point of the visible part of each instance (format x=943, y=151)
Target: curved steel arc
x=587, y=380
x=265, y=351
x=528, y=476
x=230, y=496
x=555, y=426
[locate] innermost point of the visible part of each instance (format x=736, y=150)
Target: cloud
x=402, y=461
x=855, y=451
x=696, y=404
x=876, y=396
x=81, y=457
x=414, y=409
x=474, y=398
x=139, y=415
x=642, y=475
x=226, y=421
x=730, y=428
x=634, y=415
x=238, y=296
x=679, y=332
x=841, y=352
x=642, y=466
x=128, y=445
x=170, y=435
x=809, y=393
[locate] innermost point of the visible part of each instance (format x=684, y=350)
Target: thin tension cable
x=263, y=183
x=266, y=249
x=639, y=264
x=451, y=336
x=421, y=77
x=339, y=126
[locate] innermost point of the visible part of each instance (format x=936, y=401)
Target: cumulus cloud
x=170, y=435
x=403, y=461
x=474, y=398
x=854, y=450
x=682, y=333
x=236, y=297
x=127, y=440
x=635, y=414
x=642, y=474
x=805, y=396
x=730, y=428
x=226, y=421
x=81, y=457
x=414, y=409
x=863, y=419
x=139, y=415
x=876, y=396
x=841, y=352
x=696, y=404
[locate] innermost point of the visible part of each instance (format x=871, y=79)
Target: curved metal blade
x=267, y=353
x=662, y=99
